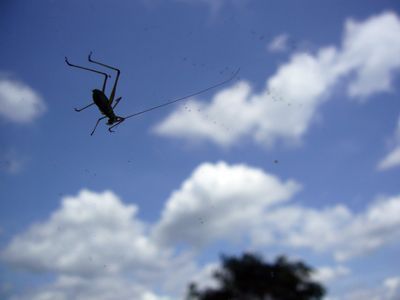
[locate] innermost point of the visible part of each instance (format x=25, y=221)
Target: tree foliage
x=250, y=278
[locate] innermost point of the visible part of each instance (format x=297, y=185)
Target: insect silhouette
x=106, y=105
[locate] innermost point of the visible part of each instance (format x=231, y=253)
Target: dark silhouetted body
x=104, y=105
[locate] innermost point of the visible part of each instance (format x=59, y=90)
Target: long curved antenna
x=185, y=97
x=176, y=100
x=92, y=70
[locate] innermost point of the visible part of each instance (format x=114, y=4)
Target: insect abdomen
x=102, y=102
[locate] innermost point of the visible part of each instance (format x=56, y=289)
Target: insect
x=106, y=105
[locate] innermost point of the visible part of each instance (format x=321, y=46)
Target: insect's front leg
x=97, y=123
x=80, y=109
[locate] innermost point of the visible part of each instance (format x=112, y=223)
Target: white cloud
x=392, y=159
x=19, y=103
x=98, y=249
x=286, y=108
x=267, y=117
x=326, y=274
x=239, y=114
x=222, y=202
x=219, y=201
x=370, y=49
x=278, y=43
x=336, y=229
x=90, y=234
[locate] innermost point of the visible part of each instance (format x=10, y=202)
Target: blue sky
x=300, y=154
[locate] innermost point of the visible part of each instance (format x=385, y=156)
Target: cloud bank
x=99, y=249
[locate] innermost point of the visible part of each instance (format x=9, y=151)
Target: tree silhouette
x=250, y=278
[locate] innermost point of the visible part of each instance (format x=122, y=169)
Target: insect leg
x=97, y=123
x=80, y=109
x=117, y=101
x=114, y=89
x=91, y=70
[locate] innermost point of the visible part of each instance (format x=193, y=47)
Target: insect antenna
x=185, y=97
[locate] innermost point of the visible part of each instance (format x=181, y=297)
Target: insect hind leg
x=114, y=89
x=80, y=109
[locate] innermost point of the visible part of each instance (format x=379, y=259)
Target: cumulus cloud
x=240, y=202
x=392, y=159
x=286, y=108
x=370, y=50
x=202, y=116
x=219, y=201
x=336, y=229
x=99, y=249
x=19, y=103
x=90, y=234
x=267, y=117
